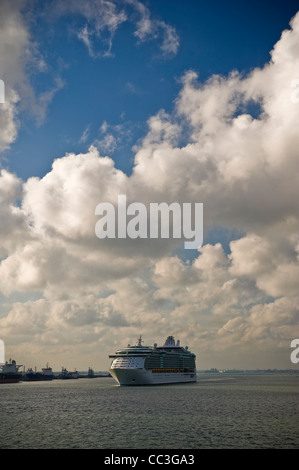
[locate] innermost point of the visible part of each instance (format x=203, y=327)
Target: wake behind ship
x=146, y=365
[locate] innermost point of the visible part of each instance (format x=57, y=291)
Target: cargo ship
x=9, y=372
x=147, y=365
x=33, y=376
x=65, y=374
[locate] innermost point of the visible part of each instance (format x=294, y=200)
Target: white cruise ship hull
x=144, y=365
x=147, y=377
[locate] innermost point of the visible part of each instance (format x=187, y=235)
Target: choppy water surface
x=219, y=411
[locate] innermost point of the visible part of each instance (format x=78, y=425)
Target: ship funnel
x=169, y=341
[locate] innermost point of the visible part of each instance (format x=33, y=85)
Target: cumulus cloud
x=240, y=166
x=13, y=42
x=210, y=149
x=18, y=54
x=14, y=227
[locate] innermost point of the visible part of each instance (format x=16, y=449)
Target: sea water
x=218, y=411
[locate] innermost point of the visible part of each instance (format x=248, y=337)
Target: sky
x=187, y=102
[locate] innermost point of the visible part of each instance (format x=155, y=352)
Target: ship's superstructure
x=9, y=372
x=146, y=365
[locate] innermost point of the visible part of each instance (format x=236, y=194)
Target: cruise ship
x=147, y=365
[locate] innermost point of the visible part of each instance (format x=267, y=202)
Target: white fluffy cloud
x=13, y=41
x=14, y=230
x=19, y=54
x=243, y=168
